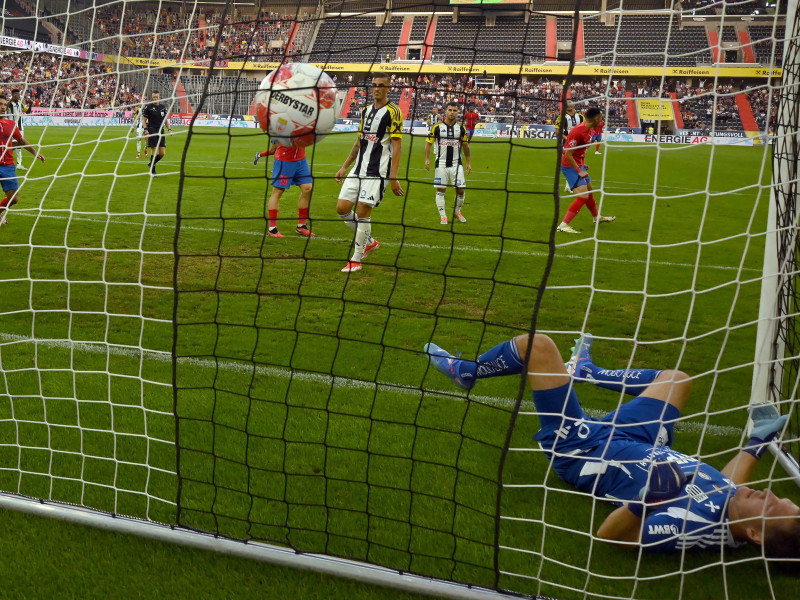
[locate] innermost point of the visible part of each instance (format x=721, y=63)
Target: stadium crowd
x=164, y=33
x=63, y=82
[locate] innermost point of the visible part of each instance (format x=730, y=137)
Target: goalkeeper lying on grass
x=667, y=501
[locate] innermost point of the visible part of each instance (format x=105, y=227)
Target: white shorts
x=363, y=190
x=445, y=176
x=140, y=132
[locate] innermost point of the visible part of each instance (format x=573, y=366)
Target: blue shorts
x=471, y=132
x=608, y=457
x=8, y=178
x=286, y=174
x=596, y=138
x=573, y=179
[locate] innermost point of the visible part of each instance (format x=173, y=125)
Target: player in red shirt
x=471, y=119
x=8, y=173
x=597, y=136
x=575, y=170
x=290, y=168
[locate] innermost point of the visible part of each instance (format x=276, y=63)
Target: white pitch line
x=26, y=212
x=527, y=405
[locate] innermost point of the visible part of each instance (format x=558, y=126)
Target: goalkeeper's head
x=761, y=517
x=782, y=542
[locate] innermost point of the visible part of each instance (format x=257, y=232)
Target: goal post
x=775, y=373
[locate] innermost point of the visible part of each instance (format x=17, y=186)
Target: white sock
x=440, y=204
x=459, y=202
x=362, y=239
x=138, y=146
x=350, y=220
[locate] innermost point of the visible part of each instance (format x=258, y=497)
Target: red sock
x=4, y=202
x=302, y=216
x=591, y=205
x=597, y=148
x=574, y=209
x=273, y=218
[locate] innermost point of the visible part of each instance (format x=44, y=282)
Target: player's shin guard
x=362, y=239
x=503, y=359
x=631, y=381
x=302, y=216
x=459, y=202
x=273, y=217
x=350, y=220
x=440, y=204
x=592, y=205
x=574, y=209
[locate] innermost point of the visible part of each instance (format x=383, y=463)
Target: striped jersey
x=16, y=110
x=8, y=133
x=448, y=140
x=570, y=121
x=377, y=128
x=137, y=118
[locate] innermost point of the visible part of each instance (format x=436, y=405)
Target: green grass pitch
x=307, y=413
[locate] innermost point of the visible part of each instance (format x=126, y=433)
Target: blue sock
x=630, y=381
x=503, y=359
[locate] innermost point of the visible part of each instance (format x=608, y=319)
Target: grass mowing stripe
x=37, y=215
x=337, y=381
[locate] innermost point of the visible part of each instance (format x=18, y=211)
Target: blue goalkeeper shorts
x=285, y=174
x=608, y=457
x=573, y=179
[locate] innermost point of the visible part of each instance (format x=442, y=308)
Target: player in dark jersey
x=667, y=501
x=9, y=133
x=155, y=118
x=574, y=168
x=289, y=168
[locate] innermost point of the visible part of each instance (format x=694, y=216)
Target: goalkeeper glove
x=767, y=424
x=665, y=482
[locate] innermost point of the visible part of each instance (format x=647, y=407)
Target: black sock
x=158, y=157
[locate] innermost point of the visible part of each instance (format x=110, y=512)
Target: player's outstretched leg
x=581, y=366
x=503, y=359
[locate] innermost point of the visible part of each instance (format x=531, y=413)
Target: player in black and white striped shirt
x=16, y=109
x=376, y=155
x=450, y=139
x=571, y=118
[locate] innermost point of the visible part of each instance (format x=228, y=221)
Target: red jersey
x=287, y=154
x=8, y=130
x=470, y=119
x=578, y=140
x=599, y=129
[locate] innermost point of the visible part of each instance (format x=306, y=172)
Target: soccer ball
x=296, y=105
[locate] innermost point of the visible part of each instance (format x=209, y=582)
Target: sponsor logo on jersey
x=449, y=142
x=370, y=137
x=662, y=529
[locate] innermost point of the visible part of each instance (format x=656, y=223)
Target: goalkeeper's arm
x=767, y=426
x=621, y=526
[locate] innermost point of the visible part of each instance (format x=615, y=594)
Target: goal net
x=172, y=367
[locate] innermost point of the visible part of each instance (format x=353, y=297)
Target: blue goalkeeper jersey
x=698, y=518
